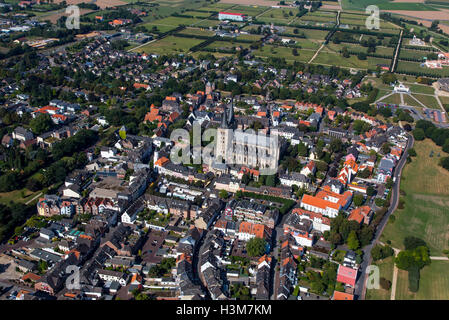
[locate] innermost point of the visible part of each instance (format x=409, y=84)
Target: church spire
x=224, y=122
x=231, y=112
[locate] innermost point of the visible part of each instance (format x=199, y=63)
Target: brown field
x=444, y=27
x=265, y=3
x=330, y=6
x=53, y=18
x=101, y=3
x=443, y=14
x=428, y=23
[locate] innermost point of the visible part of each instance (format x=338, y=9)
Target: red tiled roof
x=342, y=296
x=346, y=275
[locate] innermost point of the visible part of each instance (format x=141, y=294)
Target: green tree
x=353, y=241
x=256, y=247
x=419, y=134
x=223, y=194
x=358, y=200
x=42, y=123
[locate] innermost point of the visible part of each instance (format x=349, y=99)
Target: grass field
x=408, y=100
x=196, y=32
x=433, y=284
x=170, y=44
x=386, y=271
x=16, y=196
x=327, y=57
x=393, y=99
x=360, y=5
x=426, y=187
x=407, y=66
x=428, y=101
x=417, y=88
x=284, y=52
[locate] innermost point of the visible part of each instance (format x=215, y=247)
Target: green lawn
x=328, y=57
x=428, y=101
x=393, y=99
x=408, y=100
x=169, y=45
x=417, y=88
x=386, y=271
x=16, y=196
x=433, y=284
x=284, y=52
x=426, y=187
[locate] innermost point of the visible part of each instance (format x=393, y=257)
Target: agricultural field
x=249, y=10
x=226, y=45
x=216, y=7
x=282, y=16
x=328, y=56
x=386, y=51
x=413, y=54
x=386, y=271
x=360, y=5
x=407, y=66
x=170, y=44
x=433, y=283
x=196, y=32
x=197, y=14
x=425, y=190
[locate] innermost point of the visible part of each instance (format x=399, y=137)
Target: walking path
x=395, y=59
x=395, y=278
x=151, y=41
x=395, y=271
x=316, y=53
x=33, y=198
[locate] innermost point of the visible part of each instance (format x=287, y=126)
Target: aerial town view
x=224, y=150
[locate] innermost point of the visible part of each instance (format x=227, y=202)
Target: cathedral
x=236, y=147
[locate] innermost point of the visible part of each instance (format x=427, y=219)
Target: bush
x=384, y=283
x=411, y=243
x=392, y=218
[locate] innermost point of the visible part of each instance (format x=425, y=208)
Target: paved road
x=440, y=258
x=279, y=231
x=359, y=291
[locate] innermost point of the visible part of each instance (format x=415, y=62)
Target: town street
x=361, y=281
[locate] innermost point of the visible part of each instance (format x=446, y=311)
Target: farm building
x=232, y=16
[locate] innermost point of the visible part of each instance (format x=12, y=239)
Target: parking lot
x=8, y=268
